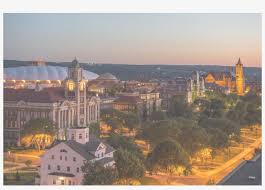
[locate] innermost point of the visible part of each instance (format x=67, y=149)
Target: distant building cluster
x=227, y=82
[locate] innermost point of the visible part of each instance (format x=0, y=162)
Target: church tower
x=75, y=89
x=240, y=79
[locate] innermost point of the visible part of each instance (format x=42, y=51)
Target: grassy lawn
x=25, y=179
x=149, y=181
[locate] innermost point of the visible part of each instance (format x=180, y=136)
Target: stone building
x=234, y=82
x=66, y=106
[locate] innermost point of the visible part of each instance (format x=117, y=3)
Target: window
x=53, y=182
x=65, y=158
x=74, y=159
x=80, y=136
x=68, y=168
x=70, y=183
x=52, y=157
x=49, y=167
x=61, y=157
x=62, y=182
x=63, y=150
x=77, y=170
x=58, y=168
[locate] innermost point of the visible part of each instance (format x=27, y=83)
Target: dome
x=42, y=73
x=107, y=76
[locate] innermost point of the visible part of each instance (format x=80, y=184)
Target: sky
x=152, y=38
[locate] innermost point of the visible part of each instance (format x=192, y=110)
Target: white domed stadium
x=47, y=76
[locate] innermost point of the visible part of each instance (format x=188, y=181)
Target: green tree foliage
x=125, y=143
x=131, y=120
x=158, y=116
x=178, y=108
x=128, y=164
x=193, y=138
x=38, y=132
x=166, y=154
x=94, y=128
x=161, y=130
x=96, y=174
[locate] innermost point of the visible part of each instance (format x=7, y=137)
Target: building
x=180, y=87
x=240, y=78
x=151, y=102
x=45, y=75
x=66, y=106
x=234, y=82
x=104, y=84
x=62, y=162
x=129, y=102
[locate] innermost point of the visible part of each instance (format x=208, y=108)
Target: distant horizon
x=135, y=38
x=58, y=62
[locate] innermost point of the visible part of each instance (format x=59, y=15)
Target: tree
x=166, y=154
x=96, y=174
x=94, y=128
x=128, y=165
x=178, y=108
x=38, y=133
x=193, y=139
x=158, y=116
x=253, y=115
x=28, y=163
x=131, y=120
x=125, y=143
x=160, y=130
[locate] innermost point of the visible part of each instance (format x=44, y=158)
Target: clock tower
x=240, y=78
x=75, y=89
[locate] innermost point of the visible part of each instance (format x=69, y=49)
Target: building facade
x=62, y=162
x=233, y=82
x=66, y=106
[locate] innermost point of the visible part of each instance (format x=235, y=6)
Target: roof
x=62, y=174
x=107, y=76
x=85, y=150
x=106, y=160
x=128, y=99
x=42, y=73
x=47, y=95
x=220, y=75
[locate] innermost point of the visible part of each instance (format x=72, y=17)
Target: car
x=252, y=177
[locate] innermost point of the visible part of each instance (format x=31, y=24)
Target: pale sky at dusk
x=215, y=39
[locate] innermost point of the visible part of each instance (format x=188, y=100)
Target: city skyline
x=170, y=39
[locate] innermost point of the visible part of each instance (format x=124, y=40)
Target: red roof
x=47, y=95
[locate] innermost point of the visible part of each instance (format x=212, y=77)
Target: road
x=241, y=175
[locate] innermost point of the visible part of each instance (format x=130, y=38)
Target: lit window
x=82, y=86
x=71, y=86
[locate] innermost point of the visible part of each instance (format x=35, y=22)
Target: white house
x=61, y=164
